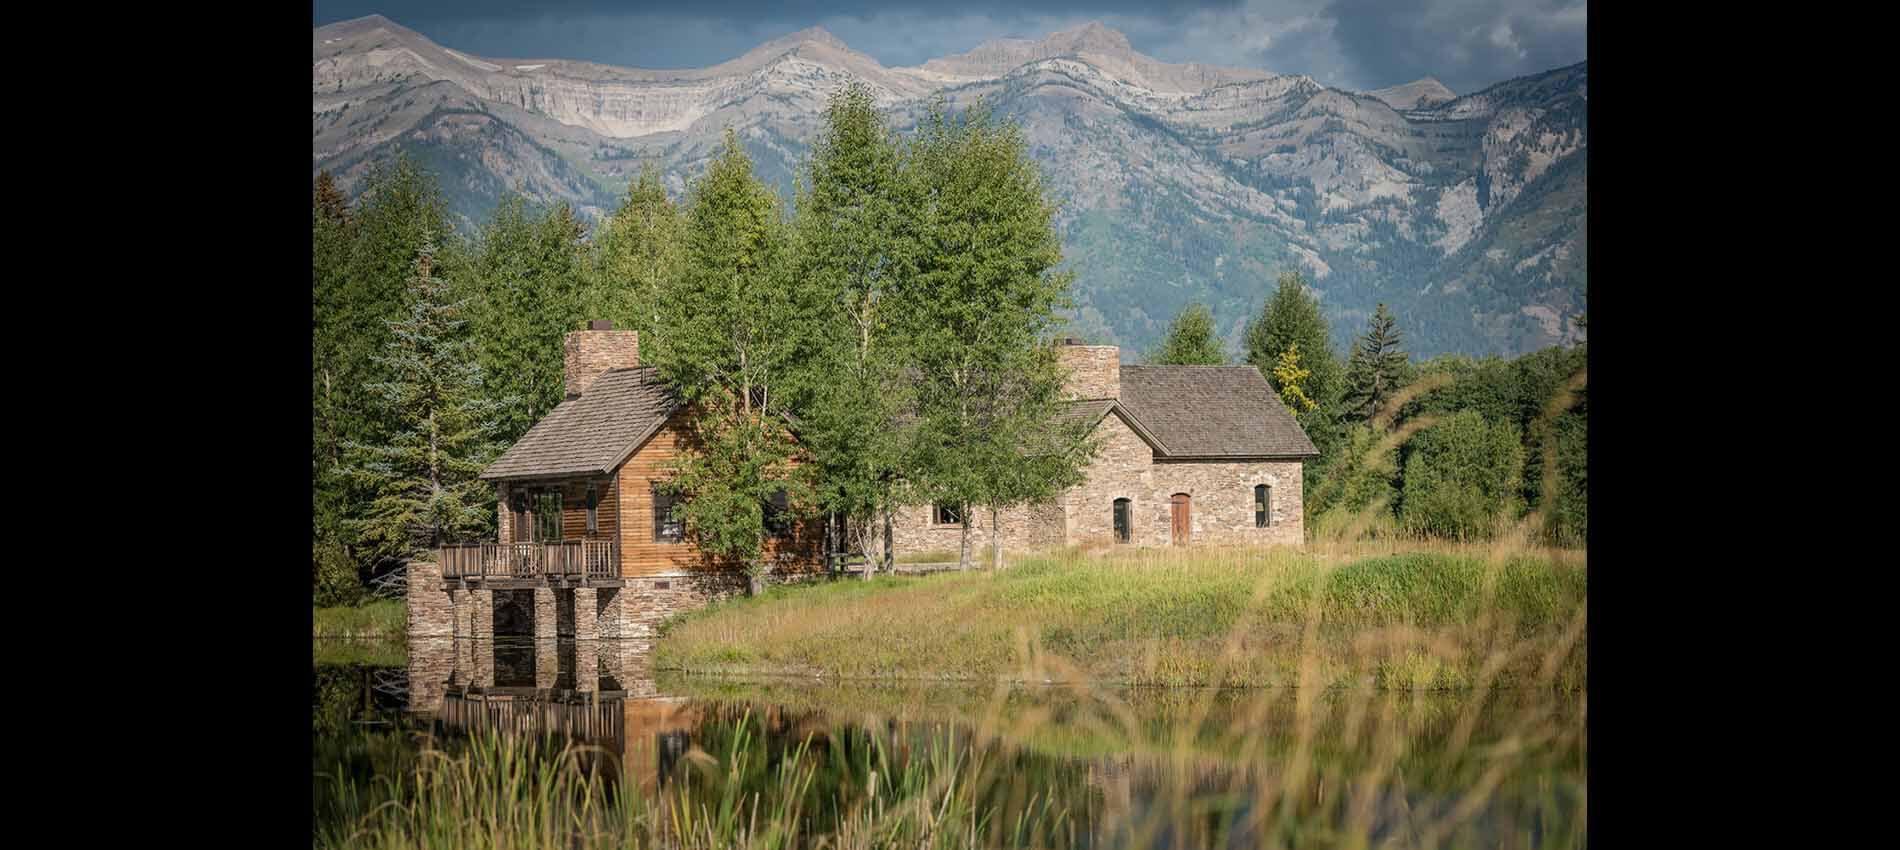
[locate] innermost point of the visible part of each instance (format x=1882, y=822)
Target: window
x=546, y=506
x=666, y=527
x=778, y=517
x=947, y=514
x=1262, y=506
x=593, y=510
x=1122, y=524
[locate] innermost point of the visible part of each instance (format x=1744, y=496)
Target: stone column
x=431, y=609
x=544, y=614
x=481, y=615
x=610, y=601
x=481, y=658
x=586, y=614
x=587, y=666
x=547, y=661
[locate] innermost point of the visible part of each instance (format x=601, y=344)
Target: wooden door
x=1182, y=525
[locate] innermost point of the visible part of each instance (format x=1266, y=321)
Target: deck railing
x=567, y=559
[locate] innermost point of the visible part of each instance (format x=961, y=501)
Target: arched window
x=1123, y=525
x=1262, y=506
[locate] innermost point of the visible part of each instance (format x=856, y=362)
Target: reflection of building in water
x=598, y=692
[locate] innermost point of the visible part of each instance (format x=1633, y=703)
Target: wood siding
x=641, y=555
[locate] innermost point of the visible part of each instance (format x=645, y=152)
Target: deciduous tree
x=856, y=246
x=983, y=299
x=727, y=337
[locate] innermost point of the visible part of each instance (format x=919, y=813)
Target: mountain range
x=1177, y=183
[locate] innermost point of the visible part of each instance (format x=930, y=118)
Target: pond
x=462, y=735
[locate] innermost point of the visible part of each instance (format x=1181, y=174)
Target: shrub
x=1462, y=477
x=336, y=581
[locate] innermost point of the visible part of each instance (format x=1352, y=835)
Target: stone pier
x=432, y=610
x=547, y=662
x=586, y=614
x=546, y=615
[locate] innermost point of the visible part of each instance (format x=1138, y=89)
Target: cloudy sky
x=1358, y=44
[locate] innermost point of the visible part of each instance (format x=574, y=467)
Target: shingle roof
x=1212, y=411
x=590, y=435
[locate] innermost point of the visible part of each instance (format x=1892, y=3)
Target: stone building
x=1188, y=454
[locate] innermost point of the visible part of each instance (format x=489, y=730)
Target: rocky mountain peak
x=1417, y=94
x=1092, y=37
x=808, y=35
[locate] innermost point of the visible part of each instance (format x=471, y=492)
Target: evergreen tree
x=329, y=201
x=636, y=250
x=362, y=256
x=1190, y=340
x=985, y=294
x=855, y=249
x=1377, y=369
x=422, y=480
x=1292, y=317
x=524, y=288
x=727, y=337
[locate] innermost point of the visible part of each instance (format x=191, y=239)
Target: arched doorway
x=1182, y=521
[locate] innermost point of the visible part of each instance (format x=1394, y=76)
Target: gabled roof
x=1093, y=411
x=592, y=434
x=1212, y=412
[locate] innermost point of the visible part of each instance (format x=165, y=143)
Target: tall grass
x=1417, y=619
x=381, y=618
x=1085, y=766
x=504, y=791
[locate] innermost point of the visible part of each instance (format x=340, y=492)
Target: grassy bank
x=382, y=619
x=1441, y=618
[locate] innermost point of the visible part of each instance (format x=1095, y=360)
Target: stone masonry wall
x=431, y=609
x=914, y=530
x=646, y=601
x=1221, y=505
x=1123, y=468
x=1094, y=371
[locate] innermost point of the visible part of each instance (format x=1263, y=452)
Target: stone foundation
x=432, y=610
x=647, y=601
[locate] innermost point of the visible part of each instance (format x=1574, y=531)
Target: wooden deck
x=504, y=566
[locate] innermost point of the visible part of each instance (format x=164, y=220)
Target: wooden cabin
x=582, y=511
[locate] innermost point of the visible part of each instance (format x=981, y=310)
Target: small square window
x=948, y=514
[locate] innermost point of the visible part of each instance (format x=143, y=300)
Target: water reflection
x=1085, y=767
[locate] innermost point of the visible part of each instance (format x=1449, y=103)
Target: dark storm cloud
x=1467, y=44
x=1359, y=44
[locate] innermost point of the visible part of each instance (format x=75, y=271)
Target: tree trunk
x=996, y=541
x=889, y=555
x=963, y=557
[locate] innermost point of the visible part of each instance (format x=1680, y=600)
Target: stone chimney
x=596, y=350
x=1094, y=371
